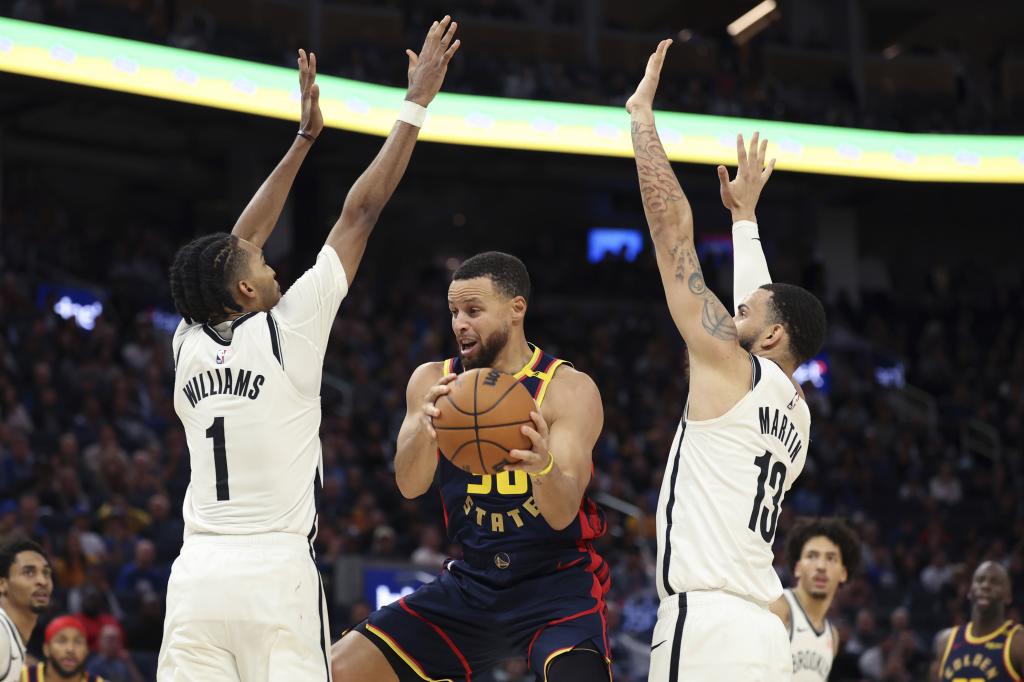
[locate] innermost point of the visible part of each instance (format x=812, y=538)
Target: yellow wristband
x=546, y=470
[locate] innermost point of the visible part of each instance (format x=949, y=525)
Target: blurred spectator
x=111, y=661
x=428, y=555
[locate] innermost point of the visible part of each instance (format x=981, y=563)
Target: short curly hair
x=803, y=316
x=831, y=527
x=507, y=272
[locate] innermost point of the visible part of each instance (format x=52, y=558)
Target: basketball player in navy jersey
x=743, y=436
x=530, y=583
x=990, y=648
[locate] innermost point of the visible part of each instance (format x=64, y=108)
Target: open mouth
x=466, y=346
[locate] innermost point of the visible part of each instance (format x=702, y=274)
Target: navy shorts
x=473, y=616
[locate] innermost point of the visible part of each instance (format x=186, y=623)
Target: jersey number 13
x=769, y=518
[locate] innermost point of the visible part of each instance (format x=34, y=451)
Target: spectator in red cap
x=64, y=651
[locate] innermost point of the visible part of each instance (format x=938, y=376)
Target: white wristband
x=412, y=113
x=746, y=228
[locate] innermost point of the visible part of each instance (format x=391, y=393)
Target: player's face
x=990, y=587
x=30, y=582
x=260, y=277
x=820, y=570
x=752, y=319
x=481, y=320
x=67, y=652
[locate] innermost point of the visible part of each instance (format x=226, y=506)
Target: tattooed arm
x=706, y=325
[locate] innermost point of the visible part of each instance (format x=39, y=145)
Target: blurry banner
x=169, y=73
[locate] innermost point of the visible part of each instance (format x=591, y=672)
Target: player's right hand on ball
x=427, y=69
x=430, y=409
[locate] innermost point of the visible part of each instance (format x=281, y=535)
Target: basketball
x=481, y=418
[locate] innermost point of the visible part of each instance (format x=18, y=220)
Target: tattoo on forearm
x=658, y=184
x=714, y=317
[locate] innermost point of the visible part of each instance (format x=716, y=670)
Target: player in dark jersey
x=530, y=583
x=989, y=648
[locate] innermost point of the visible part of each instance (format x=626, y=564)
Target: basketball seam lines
x=485, y=426
x=476, y=422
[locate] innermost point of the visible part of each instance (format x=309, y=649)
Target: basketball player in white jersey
x=823, y=553
x=245, y=600
x=26, y=583
x=742, y=439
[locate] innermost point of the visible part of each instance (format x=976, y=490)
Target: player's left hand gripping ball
x=537, y=458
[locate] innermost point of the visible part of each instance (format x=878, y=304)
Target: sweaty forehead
x=462, y=290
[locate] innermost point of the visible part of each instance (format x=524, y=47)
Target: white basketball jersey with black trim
x=723, y=490
x=813, y=650
x=12, y=650
x=247, y=393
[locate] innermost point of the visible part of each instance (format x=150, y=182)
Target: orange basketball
x=480, y=420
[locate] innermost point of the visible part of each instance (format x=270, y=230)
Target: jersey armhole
x=949, y=647
x=1007, y=657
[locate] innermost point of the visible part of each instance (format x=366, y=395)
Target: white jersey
x=12, y=650
x=248, y=394
x=723, y=490
x=813, y=651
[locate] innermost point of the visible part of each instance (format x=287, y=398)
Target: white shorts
x=247, y=607
x=718, y=637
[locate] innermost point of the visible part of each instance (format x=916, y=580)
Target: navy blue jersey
x=497, y=513
x=980, y=659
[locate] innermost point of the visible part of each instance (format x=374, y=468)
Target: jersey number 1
x=220, y=457
x=769, y=517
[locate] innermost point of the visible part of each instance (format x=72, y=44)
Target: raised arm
x=260, y=216
x=750, y=269
x=374, y=187
x=706, y=326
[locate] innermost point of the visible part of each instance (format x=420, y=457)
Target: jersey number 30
x=769, y=518
x=220, y=457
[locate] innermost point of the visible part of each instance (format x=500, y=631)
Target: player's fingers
x=431, y=410
x=448, y=378
x=429, y=425
x=741, y=152
x=768, y=170
x=449, y=34
x=752, y=154
x=312, y=65
x=525, y=457
x=538, y=419
x=533, y=435
x=450, y=52
x=723, y=177
x=314, y=92
x=761, y=154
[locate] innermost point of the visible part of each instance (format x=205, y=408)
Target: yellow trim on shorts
x=447, y=368
x=401, y=654
x=949, y=647
x=558, y=652
x=1006, y=654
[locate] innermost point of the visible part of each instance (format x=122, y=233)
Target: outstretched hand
x=741, y=194
x=427, y=69
x=312, y=121
x=643, y=98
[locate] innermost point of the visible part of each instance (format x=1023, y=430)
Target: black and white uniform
x=12, y=650
x=717, y=515
x=813, y=650
x=245, y=600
